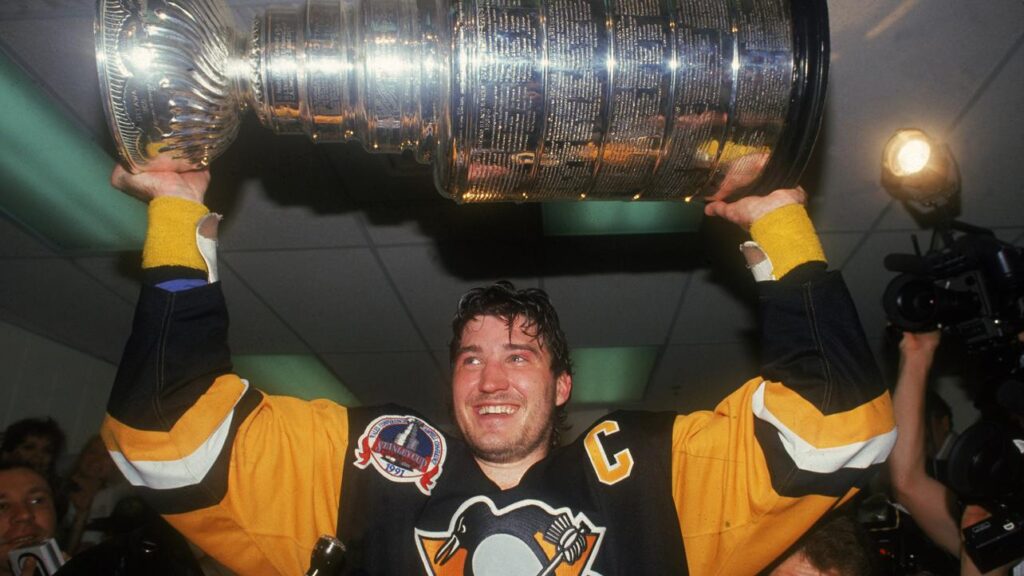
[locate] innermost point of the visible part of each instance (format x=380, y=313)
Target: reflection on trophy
x=509, y=100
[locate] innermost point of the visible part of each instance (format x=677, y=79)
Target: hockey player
x=254, y=479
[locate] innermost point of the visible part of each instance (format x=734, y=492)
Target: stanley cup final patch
x=403, y=449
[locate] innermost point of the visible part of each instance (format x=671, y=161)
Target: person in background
x=939, y=434
x=836, y=547
x=35, y=442
x=929, y=502
x=93, y=489
x=27, y=512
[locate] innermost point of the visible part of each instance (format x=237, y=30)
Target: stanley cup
x=509, y=100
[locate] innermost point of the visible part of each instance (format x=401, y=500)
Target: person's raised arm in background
x=928, y=500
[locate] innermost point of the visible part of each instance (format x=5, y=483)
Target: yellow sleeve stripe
x=866, y=421
x=171, y=235
x=188, y=434
x=859, y=454
x=788, y=238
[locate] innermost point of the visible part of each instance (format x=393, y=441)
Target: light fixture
x=918, y=168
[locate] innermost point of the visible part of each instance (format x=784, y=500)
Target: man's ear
x=563, y=388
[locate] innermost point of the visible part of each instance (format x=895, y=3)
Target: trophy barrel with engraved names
x=508, y=100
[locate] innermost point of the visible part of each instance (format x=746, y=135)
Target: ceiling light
x=918, y=168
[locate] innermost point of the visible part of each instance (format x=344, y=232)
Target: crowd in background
x=88, y=508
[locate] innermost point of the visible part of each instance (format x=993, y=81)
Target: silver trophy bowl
x=508, y=100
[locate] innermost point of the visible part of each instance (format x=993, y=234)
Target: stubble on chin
x=513, y=447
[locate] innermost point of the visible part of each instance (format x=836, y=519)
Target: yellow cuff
x=171, y=236
x=788, y=238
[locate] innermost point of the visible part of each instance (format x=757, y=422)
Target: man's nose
x=493, y=378
x=22, y=513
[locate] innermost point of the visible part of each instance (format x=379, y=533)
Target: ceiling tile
x=867, y=277
x=15, y=242
x=254, y=329
x=336, y=300
x=61, y=302
x=839, y=246
x=626, y=309
x=256, y=221
x=121, y=272
x=60, y=52
x=699, y=376
x=34, y=9
x=409, y=379
x=711, y=313
x=433, y=303
x=444, y=221
x=988, y=143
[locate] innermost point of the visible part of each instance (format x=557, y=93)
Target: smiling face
x=504, y=393
x=27, y=515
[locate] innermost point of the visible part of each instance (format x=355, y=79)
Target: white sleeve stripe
x=807, y=457
x=187, y=471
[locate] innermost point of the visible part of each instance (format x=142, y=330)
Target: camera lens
x=916, y=304
x=910, y=303
x=916, y=301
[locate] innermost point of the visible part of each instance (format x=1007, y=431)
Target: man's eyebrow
x=469, y=348
x=526, y=347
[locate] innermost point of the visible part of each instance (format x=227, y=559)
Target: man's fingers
x=118, y=176
x=798, y=194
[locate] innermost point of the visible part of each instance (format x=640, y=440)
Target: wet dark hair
x=839, y=544
x=532, y=305
x=47, y=428
x=18, y=465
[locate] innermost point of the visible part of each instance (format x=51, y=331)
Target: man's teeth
x=497, y=410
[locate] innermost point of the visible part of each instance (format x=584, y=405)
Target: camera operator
x=928, y=501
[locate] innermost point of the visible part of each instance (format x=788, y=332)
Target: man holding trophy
x=513, y=105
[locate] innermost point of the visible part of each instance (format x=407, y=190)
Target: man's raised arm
x=797, y=440
x=252, y=479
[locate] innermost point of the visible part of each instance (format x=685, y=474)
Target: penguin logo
x=402, y=449
x=528, y=538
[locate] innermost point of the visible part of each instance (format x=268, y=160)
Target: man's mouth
x=505, y=409
x=24, y=541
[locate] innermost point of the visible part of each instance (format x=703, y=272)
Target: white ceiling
x=354, y=258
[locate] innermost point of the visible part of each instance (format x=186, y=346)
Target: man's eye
x=518, y=359
x=470, y=361
x=40, y=500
